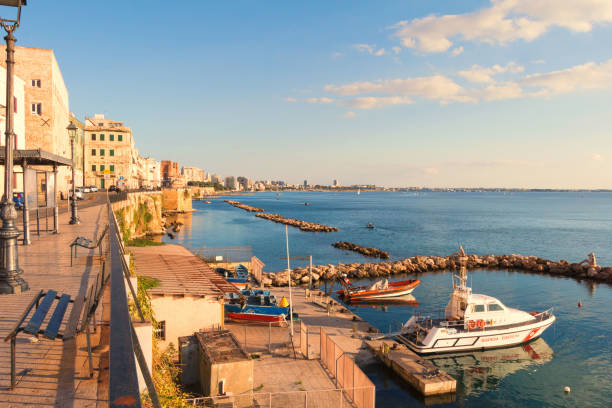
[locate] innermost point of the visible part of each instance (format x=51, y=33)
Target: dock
x=354, y=334
x=417, y=371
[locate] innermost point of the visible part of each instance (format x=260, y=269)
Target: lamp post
x=72, y=131
x=10, y=281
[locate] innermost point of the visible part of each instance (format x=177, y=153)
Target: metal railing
x=124, y=345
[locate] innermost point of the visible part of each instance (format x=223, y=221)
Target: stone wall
x=140, y=215
x=177, y=200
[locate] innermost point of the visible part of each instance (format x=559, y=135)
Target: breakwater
x=242, y=206
x=303, y=225
x=370, y=252
x=587, y=269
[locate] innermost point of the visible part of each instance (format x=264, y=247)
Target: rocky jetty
x=303, y=225
x=585, y=270
x=245, y=207
x=370, y=252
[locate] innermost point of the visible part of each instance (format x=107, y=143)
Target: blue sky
x=511, y=93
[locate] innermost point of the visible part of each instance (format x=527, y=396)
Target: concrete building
x=230, y=183
x=152, y=172
x=192, y=173
x=109, y=153
x=336, y=183
x=18, y=124
x=216, y=178
x=46, y=106
x=171, y=174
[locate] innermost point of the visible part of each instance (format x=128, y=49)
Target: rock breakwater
x=245, y=207
x=370, y=252
x=585, y=270
x=303, y=225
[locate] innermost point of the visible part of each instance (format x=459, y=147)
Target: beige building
x=45, y=105
x=192, y=173
x=109, y=153
x=152, y=169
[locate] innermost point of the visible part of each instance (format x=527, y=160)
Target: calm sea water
x=576, y=351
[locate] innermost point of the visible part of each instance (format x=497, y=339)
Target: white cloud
x=504, y=21
x=435, y=87
x=349, y=115
x=370, y=49
x=498, y=91
x=586, y=76
x=485, y=75
x=457, y=51
x=290, y=99
x=323, y=100
x=597, y=157
x=373, y=102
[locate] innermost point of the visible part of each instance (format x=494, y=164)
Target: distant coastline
x=443, y=190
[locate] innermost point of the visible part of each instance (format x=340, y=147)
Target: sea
x=575, y=352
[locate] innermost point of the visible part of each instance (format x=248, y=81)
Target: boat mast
x=463, y=258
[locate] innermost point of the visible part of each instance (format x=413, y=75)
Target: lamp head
x=14, y=23
x=72, y=129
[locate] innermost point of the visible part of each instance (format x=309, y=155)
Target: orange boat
x=382, y=289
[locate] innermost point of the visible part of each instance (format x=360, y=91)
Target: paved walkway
x=50, y=373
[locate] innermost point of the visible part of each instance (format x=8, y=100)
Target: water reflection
x=383, y=304
x=484, y=370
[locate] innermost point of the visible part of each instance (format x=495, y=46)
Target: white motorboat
x=473, y=322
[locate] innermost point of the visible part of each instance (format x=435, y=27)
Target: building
x=109, y=153
x=216, y=178
x=305, y=183
x=336, y=184
x=192, y=173
x=152, y=172
x=18, y=124
x=230, y=183
x=77, y=155
x=171, y=174
x=45, y=105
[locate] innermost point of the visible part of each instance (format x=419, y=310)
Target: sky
x=472, y=93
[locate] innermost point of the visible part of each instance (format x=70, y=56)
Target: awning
x=37, y=157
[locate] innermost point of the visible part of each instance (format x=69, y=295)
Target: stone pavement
x=52, y=373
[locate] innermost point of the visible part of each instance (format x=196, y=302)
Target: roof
x=479, y=298
x=37, y=157
x=179, y=272
x=220, y=346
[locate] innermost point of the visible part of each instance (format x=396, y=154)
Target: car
x=86, y=189
x=18, y=200
x=78, y=193
x=114, y=188
x=93, y=189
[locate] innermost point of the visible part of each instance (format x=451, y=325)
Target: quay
x=352, y=334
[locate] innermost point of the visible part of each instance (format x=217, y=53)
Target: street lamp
x=72, y=131
x=10, y=281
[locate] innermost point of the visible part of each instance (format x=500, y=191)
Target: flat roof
x=37, y=157
x=220, y=346
x=179, y=272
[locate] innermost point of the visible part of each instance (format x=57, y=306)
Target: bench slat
x=73, y=319
x=38, y=317
x=57, y=317
x=87, y=307
x=16, y=327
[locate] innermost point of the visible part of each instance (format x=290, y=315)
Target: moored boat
x=473, y=322
x=256, y=317
x=381, y=289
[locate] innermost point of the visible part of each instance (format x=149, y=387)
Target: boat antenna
x=289, y=275
x=462, y=267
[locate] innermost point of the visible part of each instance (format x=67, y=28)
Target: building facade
x=46, y=105
x=109, y=153
x=192, y=173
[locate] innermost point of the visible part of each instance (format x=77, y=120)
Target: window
x=101, y=152
x=159, y=330
x=112, y=167
x=112, y=152
x=478, y=308
x=494, y=307
x=101, y=167
x=36, y=83
x=93, y=136
x=111, y=137
x=120, y=138
x=93, y=152
x=93, y=167
x=101, y=137
x=37, y=108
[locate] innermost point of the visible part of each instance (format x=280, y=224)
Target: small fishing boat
x=254, y=313
x=238, y=278
x=208, y=202
x=473, y=322
x=381, y=289
x=252, y=317
x=307, y=203
x=370, y=225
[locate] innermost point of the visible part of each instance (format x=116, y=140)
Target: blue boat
x=262, y=310
x=239, y=278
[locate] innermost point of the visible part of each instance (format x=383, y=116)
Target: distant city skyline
x=506, y=93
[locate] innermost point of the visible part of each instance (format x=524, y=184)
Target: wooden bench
x=86, y=243
x=43, y=302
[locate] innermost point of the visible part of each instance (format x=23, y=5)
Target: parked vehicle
x=18, y=200
x=86, y=189
x=78, y=193
x=114, y=188
x=93, y=189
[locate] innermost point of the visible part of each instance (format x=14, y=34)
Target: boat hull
x=396, y=289
x=479, y=339
x=256, y=318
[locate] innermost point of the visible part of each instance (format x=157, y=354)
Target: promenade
x=52, y=373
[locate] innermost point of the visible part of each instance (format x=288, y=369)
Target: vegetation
x=165, y=378
x=143, y=242
x=217, y=186
x=125, y=231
